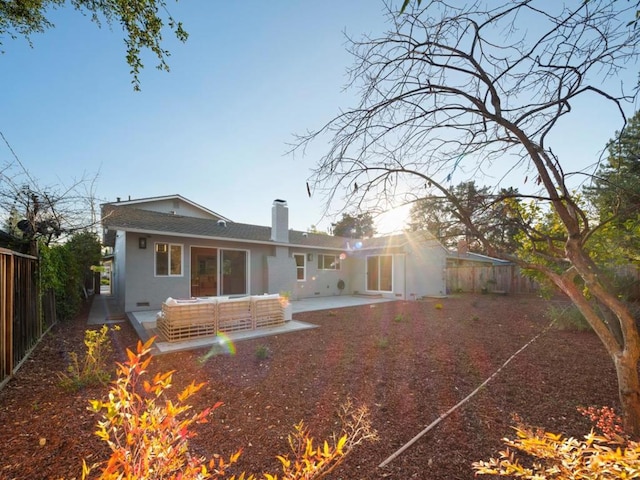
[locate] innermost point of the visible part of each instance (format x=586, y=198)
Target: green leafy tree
x=143, y=22
x=60, y=273
x=65, y=268
x=454, y=90
x=86, y=251
x=314, y=229
x=355, y=226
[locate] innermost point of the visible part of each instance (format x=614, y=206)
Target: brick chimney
x=280, y=221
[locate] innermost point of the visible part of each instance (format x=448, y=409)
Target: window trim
x=322, y=264
x=303, y=266
x=168, y=247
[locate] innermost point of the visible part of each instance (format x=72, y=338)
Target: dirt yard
x=407, y=361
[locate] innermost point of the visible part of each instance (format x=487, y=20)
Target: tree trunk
x=621, y=341
x=629, y=391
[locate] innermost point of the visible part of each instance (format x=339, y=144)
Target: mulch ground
x=409, y=362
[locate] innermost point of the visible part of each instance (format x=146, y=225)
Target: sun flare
x=393, y=221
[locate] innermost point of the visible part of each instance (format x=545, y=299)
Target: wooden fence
x=628, y=280
x=489, y=278
x=509, y=279
x=24, y=315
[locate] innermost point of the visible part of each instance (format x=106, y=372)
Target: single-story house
x=172, y=247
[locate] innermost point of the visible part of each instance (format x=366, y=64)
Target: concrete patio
x=104, y=311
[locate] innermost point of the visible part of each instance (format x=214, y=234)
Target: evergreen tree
x=355, y=226
x=447, y=217
x=615, y=192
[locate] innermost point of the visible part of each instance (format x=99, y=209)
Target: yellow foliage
x=91, y=368
x=599, y=457
x=148, y=435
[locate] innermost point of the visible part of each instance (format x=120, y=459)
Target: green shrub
x=401, y=317
x=263, y=352
x=92, y=368
x=568, y=318
x=66, y=269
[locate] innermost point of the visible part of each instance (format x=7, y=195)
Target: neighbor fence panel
x=22, y=323
x=6, y=315
x=27, y=327
x=629, y=280
x=493, y=278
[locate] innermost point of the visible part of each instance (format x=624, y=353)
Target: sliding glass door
x=204, y=272
x=217, y=271
x=380, y=273
x=234, y=272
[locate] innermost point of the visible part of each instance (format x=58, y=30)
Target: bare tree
x=459, y=91
x=47, y=213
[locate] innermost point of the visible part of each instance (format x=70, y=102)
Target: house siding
x=281, y=270
x=318, y=282
x=145, y=291
x=425, y=270
x=119, y=271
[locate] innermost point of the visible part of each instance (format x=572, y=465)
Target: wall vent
x=221, y=223
x=142, y=304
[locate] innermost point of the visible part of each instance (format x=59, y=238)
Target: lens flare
x=223, y=346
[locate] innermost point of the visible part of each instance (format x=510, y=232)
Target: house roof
x=116, y=217
x=477, y=257
x=140, y=201
x=125, y=217
x=12, y=242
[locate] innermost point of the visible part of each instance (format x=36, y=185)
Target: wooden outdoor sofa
x=203, y=317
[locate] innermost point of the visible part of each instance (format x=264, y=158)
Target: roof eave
x=222, y=239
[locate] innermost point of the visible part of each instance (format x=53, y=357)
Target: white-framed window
x=328, y=262
x=168, y=259
x=301, y=267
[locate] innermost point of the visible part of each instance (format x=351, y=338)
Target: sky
x=218, y=127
